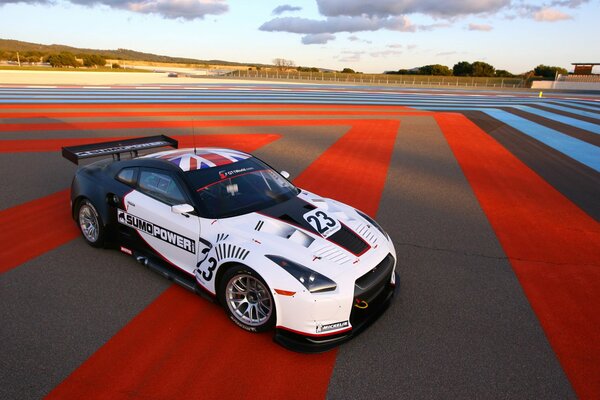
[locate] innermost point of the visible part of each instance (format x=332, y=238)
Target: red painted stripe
x=192, y=105
x=553, y=246
x=114, y=114
x=354, y=169
x=183, y=347
x=243, y=142
x=64, y=126
x=33, y=228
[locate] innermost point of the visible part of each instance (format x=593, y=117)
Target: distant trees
x=501, y=73
x=463, y=68
x=348, y=71
x=481, y=68
x=93, y=60
x=307, y=69
x=435, y=69
x=282, y=64
x=548, y=72
x=62, y=60
x=477, y=68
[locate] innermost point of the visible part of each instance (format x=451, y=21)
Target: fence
x=381, y=79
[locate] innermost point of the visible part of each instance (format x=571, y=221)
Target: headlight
x=311, y=280
x=372, y=222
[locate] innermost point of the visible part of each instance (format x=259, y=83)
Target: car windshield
x=239, y=188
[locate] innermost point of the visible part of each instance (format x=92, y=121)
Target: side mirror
x=182, y=209
x=285, y=174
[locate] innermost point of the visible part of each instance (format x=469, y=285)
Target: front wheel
x=90, y=224
x=247, y=299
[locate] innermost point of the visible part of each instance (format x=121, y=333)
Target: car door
x=148, y=209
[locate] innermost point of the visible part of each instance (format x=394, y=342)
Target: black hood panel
x=292, y=212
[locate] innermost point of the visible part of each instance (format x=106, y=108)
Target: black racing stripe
x=576, y=181
x=292, y=212
x=581, y=134
x=566, y=113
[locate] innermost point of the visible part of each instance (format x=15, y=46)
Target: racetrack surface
x=492, y=200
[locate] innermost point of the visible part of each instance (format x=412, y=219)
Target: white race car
x=224, y=224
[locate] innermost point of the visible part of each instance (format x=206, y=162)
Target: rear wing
x=117, y=147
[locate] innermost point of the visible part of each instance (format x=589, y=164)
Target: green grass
x=49, y=69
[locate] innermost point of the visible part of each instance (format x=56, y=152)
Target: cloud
x=337, y=24
x=285, y=7
x=387, y=8
x=385, y=53
x=568, y=3
x=350, y=56
x=185, y=9
x=317, y=38
x=550, y=15
x=354, y=38
x=446, y=53
x=395, y=46
x=480, y=27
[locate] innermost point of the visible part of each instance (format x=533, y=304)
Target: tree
x=548, y=72
x=481, y=68
x=348, y=71
x=307, y=69
x=93, y=60
x=435, y=69
x=282, y=64
x=463, y=68
x=62, y=60
x=501, y=73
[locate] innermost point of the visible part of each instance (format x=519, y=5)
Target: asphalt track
x=492, y=199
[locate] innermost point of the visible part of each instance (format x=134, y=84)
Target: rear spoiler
x=117, y=147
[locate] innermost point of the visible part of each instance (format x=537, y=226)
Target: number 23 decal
x=322, y=223
x=208, y=274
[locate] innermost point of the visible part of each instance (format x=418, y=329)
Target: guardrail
x=381, y=79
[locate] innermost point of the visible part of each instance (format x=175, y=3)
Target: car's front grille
x=368, y=286
x=372, y=291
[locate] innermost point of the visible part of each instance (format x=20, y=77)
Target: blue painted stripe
x=585, y=153
x=589, y=114
x=588, y=126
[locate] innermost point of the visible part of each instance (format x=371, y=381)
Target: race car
x=226, y=225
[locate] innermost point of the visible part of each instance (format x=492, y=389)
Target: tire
x=90, y=223
x=247, y=299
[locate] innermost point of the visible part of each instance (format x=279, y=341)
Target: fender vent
x=349, y=240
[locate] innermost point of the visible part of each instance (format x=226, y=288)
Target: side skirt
x=173, y=274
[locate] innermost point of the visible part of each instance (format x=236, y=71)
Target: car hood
x=285, y=230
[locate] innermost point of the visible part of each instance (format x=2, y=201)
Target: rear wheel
x=90, y=224
x=247, y=299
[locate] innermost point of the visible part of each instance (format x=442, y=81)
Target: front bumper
x=360, y=319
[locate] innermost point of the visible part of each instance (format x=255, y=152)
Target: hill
x=10, y=45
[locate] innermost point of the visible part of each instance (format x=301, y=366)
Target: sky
x=370, y=36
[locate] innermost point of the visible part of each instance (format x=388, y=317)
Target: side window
x=127, y=176
x=161, y=186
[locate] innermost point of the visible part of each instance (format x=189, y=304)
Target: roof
x=190, y=160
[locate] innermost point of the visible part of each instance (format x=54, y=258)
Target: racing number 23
x=323, y=223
